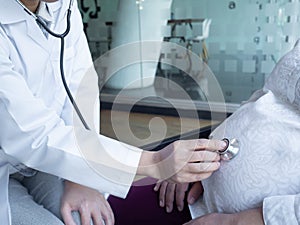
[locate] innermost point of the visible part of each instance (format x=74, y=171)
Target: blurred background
x=240, y=40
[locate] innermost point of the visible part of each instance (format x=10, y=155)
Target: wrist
x=69, y=184
x=148, y=164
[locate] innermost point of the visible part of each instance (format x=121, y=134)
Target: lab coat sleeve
x=36, y=136
x=278, y=210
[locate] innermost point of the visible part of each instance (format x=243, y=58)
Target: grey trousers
x=36, y=200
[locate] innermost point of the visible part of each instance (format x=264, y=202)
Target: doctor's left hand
x=91, y=205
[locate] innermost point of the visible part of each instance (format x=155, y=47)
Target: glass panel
x=245, y=39
x=240, y=40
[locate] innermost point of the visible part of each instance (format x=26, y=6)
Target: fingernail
x=191, y=200
x=168, y=209
x=161, y=203
x=155, y=188
x=179, y=208
x=223, y=145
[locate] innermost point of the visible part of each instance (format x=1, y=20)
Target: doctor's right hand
x=183, y=161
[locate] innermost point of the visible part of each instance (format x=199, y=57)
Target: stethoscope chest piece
x=231, y=150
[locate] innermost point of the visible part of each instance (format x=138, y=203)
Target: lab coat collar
x=12, y=12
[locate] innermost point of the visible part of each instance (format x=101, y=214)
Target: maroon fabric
x=141, y=207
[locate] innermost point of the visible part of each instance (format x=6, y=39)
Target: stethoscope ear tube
x=231, y=151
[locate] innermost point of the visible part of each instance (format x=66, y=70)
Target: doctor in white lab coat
x=37, y=131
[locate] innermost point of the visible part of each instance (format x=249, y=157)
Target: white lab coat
x=36, y=126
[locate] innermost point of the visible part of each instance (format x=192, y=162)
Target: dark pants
x=141, y=207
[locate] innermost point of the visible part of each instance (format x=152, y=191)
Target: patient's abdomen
x=268, y=161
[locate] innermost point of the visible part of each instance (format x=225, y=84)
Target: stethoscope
x=62, y=38
x=231, y=150
x=227, y=154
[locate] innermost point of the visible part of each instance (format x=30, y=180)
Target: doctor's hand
x=248, y=217
x=91, y=205
x=169, y=193
x=182, y=161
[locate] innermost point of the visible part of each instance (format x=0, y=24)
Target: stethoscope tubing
x=61, y=57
